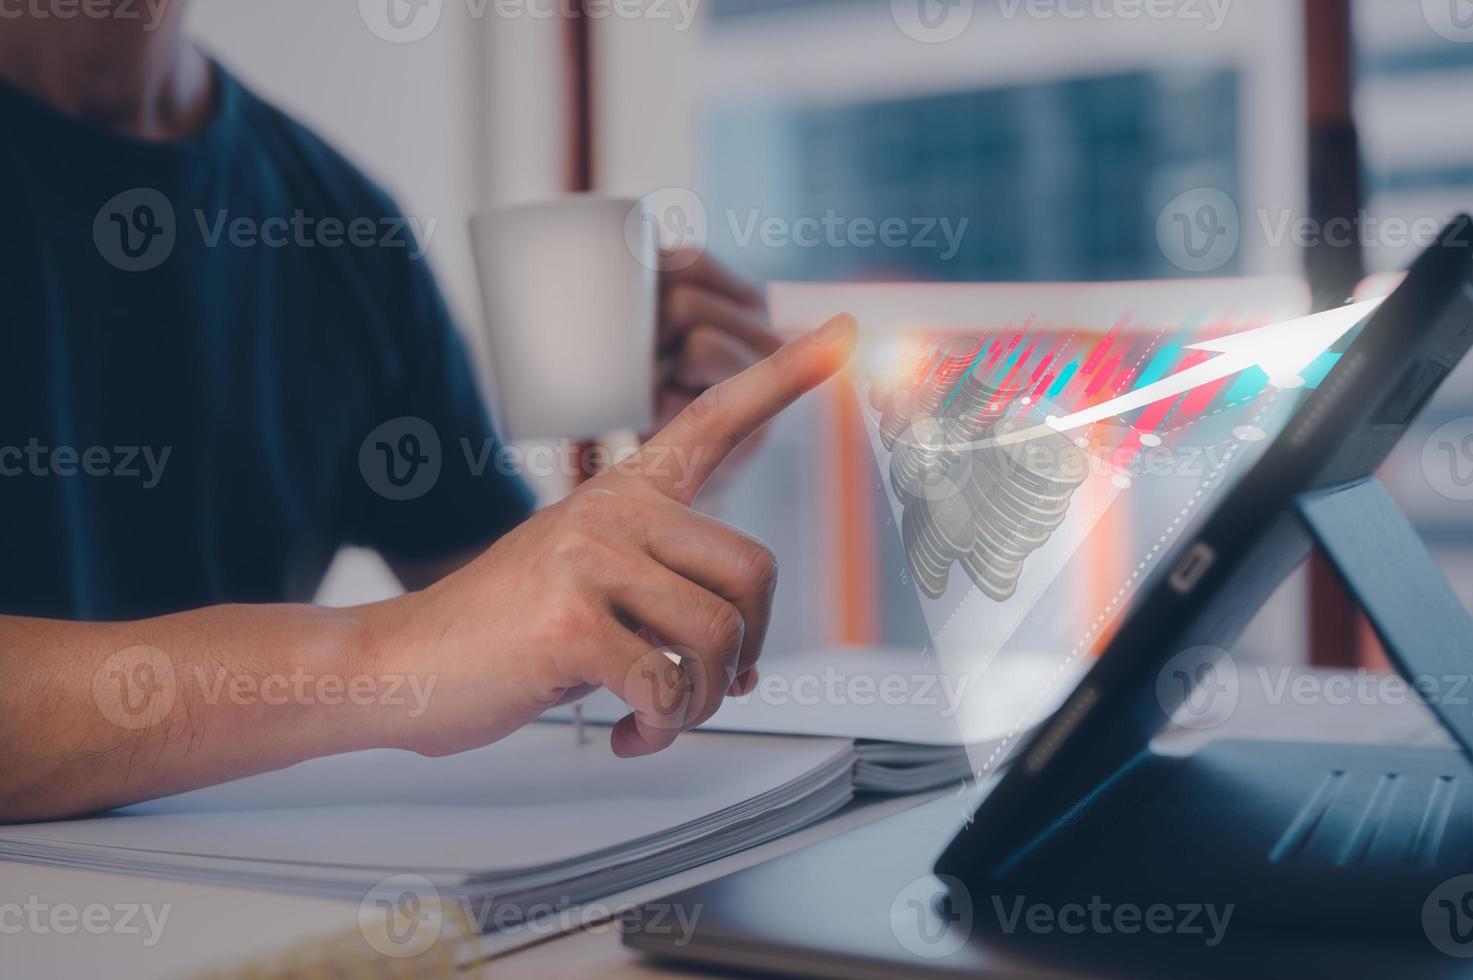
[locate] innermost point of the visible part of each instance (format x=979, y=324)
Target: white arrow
x=1282, y=350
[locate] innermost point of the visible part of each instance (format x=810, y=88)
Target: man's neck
x=132, y=72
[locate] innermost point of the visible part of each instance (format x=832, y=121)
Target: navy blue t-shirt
x=223, y=359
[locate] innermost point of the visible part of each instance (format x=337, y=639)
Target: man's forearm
x=98, y=715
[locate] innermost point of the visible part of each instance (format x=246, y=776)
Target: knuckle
x=680, y=303
x=706, y=408
x=757, y=565
x=577, y=549
x=570, y=621
x=593, y=508
x=725, y=628
x=703, y=344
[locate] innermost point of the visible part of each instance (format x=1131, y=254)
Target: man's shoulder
x=304, y=160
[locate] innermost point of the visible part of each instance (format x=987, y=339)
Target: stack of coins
x=975, y=486
x=918, y=459
x=937, y=530
x=1019, y=492
x=897, y=416
x=980, y=404
x=977, y=407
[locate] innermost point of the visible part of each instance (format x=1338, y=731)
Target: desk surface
x=211, y=928
x=1264, y=711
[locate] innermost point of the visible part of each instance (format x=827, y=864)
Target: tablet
x=1232, y=544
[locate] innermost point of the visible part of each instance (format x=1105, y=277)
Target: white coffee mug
x=569, y=288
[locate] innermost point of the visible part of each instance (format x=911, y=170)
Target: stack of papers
x=533, y=821
x=540, y=822
x=915, y=726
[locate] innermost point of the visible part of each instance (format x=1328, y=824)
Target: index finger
x=709, y=428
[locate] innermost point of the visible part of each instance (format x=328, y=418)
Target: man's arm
x=101, y=715
x=620, y=585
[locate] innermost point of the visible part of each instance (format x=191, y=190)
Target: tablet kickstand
x=1388, y=571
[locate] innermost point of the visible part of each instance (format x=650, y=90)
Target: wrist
x=384, y=656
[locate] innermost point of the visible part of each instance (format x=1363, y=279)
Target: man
x=180, y=435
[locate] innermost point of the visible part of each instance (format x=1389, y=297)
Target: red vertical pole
x=1336, y=631
x=578, y=57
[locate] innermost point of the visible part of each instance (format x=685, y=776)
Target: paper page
x=531, y=799
x=873, y=693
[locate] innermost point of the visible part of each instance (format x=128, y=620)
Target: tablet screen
x=1037, y=471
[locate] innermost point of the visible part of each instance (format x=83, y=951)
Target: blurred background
x=1062, y=136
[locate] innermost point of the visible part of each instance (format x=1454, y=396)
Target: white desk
x=217, y=929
